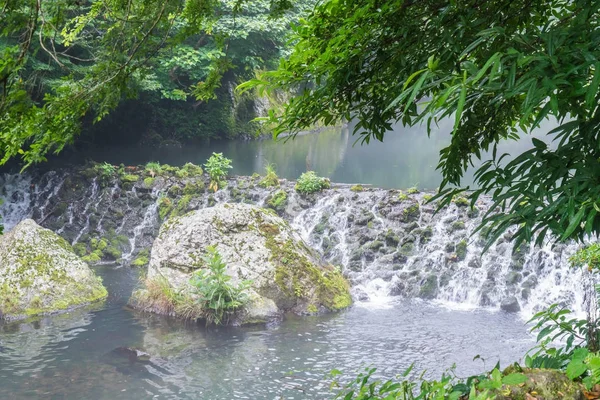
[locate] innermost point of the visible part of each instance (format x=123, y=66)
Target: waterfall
x=389, y=244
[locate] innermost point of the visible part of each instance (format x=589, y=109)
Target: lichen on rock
x=40, y=273
x=256, y=245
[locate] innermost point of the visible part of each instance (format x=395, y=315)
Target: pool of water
x=81, y=355
x=407, y=157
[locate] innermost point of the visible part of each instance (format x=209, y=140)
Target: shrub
x=153, y=168
x=271, y=179
x=216, y=295
x=216, y=167
x=309, y=182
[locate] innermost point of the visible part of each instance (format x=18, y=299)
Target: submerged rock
x=40, y=273
x=256, y=245
x=510, y=304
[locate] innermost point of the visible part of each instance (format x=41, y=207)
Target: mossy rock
x=255, y=244
x=541, y=384
x=41, y=274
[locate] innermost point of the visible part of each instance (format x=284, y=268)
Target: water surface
x=77, y=356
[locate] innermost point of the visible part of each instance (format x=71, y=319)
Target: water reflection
x=407, y=157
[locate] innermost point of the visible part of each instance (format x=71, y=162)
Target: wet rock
x=530, y=282
x=475, y=262
x=40, y=273
x=286, y=274
x=510, y=304
x=513, y=278
x=429, y=287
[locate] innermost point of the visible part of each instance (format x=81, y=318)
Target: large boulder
x=40, y=274
x=256, y=245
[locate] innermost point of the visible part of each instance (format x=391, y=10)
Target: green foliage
x=366, y=387
x=357, y=188
x=64, y=62
x=271, y=179
x=153, y=168
x=216, y=295
x=588, y=256
x=216, y=166
x=499, y=76
x=309, y=182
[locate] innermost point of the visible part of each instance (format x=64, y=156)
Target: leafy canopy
x=64, y=62
x=497, y=67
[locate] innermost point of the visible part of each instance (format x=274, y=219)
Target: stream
x=80, y=355
x=91, y=353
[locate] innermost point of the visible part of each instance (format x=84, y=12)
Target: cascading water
x=388, y=243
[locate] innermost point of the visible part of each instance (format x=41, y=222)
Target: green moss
x=182, y=173
x=182, y=205
x=402, y=196
x=99, y=244
x=457, y=226
x=412, y=190
x=296, y=275
x=461, y=202
x=192, y=188
x=80, y=249
x=357, y=188
x=461, y=250
x=149, y=181
x=412, y=212
x=193, y=169
x=92, y=258
x=278, y=200
x=140, y=261
x=312, y=309
x=165, y=206
x=130, y=178
x=174, y=191
x=113, y=252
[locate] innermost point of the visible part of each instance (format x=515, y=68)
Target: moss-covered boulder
x=256, y=245
x=541, y=384
x=40, y=273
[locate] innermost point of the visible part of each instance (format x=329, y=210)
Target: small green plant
x=153, y=168
x=309, y=182
x=106, y=170
x=357, y=188
x=412, y=190
x=271, y=179
x=216, y=295
x=216, y=167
